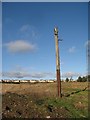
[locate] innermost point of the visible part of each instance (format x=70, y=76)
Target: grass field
x=40, y=100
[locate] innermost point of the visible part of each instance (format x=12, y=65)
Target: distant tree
x=19, y=81
x=84, y=79
x=79, y=79
x=67, y=80
x=71, y=79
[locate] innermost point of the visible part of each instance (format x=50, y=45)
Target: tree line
x=80, y=79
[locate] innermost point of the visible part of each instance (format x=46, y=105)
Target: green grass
x=74, y=106
x=69, y=104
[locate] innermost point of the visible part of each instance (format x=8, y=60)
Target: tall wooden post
x=57, y=63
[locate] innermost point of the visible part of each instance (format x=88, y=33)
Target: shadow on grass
x=75, y=92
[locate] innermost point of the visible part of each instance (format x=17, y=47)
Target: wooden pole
x=57, y=62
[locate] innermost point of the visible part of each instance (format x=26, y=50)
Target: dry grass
x=46, y=89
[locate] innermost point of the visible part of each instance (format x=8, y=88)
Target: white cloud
x=14, y=74
x=28, y=31
x=41, y=74
x=20, y=72
x=72, y=49
x=20, y=46
x=23, y=74
x=71, y=74
x=24, y=28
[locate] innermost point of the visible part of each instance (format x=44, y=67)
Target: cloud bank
x=26, y=74
x=71, y=74
x=28, y=31
x=38, y=75
x=20, y=46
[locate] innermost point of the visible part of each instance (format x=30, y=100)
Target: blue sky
x=0, y=38
x=28, y=39
x=45, y=0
